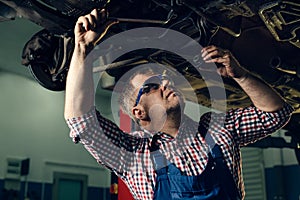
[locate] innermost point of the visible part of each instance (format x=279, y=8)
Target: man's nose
x=165, y=84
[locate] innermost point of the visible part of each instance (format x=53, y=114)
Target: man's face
x=156, y=91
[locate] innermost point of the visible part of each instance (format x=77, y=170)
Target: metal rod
x=118, y=64
x=140, y=20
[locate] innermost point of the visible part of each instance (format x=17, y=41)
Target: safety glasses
x=151, y=84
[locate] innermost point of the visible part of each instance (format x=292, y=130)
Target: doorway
x=68, y=186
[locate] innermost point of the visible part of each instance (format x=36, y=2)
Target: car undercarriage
x=263, y=35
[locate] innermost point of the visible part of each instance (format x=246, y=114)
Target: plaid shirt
x=128, y=155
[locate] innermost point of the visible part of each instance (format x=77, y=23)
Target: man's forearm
x=79, y=86
x=261, y=94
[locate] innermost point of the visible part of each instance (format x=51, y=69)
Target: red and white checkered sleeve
x=103, y=139
x=251, y=124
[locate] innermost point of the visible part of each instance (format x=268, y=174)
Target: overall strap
x=223, y=171
x=207, y=137
x=158, y=159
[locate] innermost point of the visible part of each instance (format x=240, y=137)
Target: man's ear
x=138, y=112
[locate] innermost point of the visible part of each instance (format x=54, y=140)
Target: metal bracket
x=283, y=20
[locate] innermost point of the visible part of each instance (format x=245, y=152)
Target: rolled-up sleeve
x=251, y=124
x=79, y=125
x=103, y=139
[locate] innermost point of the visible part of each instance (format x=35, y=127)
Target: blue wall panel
x=1, y=188
x=292, y=181
x=36, y=191
x=282, y=182
x=48, y=191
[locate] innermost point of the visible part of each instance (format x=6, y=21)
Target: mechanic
x=180, y=158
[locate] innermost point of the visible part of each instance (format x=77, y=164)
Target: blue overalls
x=214, y=183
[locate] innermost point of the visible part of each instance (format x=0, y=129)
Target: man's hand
x=261, y=94
x=227, y=64
x=91, y=28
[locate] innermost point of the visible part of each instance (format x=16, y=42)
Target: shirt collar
x=188, y=128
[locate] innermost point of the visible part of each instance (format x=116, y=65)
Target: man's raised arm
x=261, y=94
x=89, y=29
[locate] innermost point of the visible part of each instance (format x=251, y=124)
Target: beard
x=175, y=111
